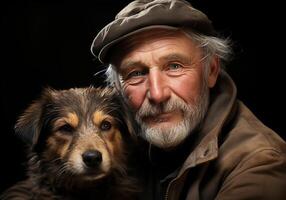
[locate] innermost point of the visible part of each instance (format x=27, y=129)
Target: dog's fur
x=79, y=146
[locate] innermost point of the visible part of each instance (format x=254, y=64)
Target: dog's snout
x=92, y=158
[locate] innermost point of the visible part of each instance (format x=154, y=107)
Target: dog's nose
x=92, y=158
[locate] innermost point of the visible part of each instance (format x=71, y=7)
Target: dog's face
x=78, y=134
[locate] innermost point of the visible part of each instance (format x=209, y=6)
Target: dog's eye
x=66, y=128
x=105, y=126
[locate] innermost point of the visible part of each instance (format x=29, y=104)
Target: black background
x=46, y=43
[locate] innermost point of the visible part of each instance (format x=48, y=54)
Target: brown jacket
x=236, y=157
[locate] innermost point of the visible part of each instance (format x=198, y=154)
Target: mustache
x=148, y=109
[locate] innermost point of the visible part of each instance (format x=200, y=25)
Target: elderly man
x=166, y=58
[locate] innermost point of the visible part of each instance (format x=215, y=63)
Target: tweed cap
x=140, y=15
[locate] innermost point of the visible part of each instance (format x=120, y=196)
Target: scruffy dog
x=79, y=147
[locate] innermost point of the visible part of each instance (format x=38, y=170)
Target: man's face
x=164, y=80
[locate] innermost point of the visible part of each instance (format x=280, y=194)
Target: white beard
x=171, y=137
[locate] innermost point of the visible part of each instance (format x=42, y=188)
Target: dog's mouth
x=93, y=174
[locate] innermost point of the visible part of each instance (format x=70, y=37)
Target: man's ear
x=214, y=70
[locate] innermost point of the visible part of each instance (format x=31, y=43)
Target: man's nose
x=158, y=90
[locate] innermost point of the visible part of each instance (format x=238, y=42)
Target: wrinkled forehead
x=120, y=50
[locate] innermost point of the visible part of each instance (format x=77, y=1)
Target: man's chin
x=163, y=144
x=161, y=125
x=165, y=135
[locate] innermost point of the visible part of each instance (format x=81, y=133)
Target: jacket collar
x=223, y=96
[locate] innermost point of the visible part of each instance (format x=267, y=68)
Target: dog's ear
x=29, y=124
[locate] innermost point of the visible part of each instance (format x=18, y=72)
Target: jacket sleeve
x=261, y=176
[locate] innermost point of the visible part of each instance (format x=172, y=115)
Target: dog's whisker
x=56, y=160
x=63, y=175
x=62, y=170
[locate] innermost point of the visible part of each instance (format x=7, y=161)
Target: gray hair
x=210, y=45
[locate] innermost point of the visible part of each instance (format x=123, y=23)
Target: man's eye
x=175, y=69
x=135, y=74
x=174, y=66
x=135, y=77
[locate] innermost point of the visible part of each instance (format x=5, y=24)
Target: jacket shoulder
x=251, y=156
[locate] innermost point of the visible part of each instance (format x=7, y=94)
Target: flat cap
x=140, y=15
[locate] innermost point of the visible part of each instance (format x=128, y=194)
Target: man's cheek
x=135, y=97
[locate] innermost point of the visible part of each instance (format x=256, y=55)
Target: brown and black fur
x=80, y=145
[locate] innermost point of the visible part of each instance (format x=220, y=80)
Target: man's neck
x=169, y=160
